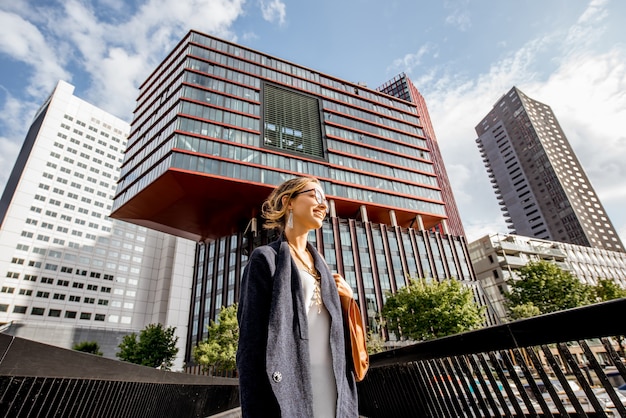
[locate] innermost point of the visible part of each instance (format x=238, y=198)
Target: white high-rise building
x=68, y=272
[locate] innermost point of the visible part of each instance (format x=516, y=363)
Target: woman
x=291, y=357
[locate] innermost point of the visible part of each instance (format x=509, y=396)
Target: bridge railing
x=562, y=364
x=39, y=380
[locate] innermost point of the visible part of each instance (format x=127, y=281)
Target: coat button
x=277, y=377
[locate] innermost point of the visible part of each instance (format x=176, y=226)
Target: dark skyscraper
x=540, y=184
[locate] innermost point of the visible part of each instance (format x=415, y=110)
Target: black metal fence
x=38, y=380
x=558, y=365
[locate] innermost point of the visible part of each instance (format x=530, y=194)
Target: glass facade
x=225, y=113
x=375, y=259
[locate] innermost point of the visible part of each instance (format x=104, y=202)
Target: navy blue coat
x=273, y=352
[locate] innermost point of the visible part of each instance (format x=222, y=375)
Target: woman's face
x=309, y=207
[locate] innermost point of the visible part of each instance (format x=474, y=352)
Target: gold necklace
x=317, y=291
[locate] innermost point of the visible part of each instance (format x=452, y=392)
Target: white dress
x=322, y=375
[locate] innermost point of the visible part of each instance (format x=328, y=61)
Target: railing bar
x=420, y=382
x=41, y=397
x=480, y=387
x=521, y=390
x=449, y=386
x=494, y=383
x=557, y=369
x=27, y=404
x=461, y=366
x=588, y=382
x=435, y=387
x=506, y=385
x=59, y=386
x=604, y=380
x=573, y=366
x=421, y=385
x=468, y=402
x=530, y=351
x=615, y=357
x=68, y=399
x=532, y=384
x=86, y=396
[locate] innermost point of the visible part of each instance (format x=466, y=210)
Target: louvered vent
x=291, y=122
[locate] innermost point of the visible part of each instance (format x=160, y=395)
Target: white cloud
x=22, y=41
x=586, y=92
x=114, y=50
x=411, y=61
x=14, y=115
x=459, y=17
x=274, y=10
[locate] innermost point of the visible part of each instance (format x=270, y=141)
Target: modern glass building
x=68, y=272
x=218, y=125
x=540, y=184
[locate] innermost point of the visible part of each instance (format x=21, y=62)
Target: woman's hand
x=342, y=286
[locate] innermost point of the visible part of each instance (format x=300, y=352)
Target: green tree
x=375, y=344
x=547, y=287
x=607, y=289
x=425, y=310
x=218, y=351
x=155, y=347
x=91, y=347
x=525, y=310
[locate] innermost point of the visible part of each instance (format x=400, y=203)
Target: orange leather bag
x=354, y=324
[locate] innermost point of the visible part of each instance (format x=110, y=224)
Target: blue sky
x=462, y=55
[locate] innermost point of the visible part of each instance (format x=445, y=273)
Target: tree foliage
x=155, y=347
x=525, y=310
x=91, y=347
x=425, y=310
x=607, y=289
x=218, y=351
x=375, y=344
x=547, y=287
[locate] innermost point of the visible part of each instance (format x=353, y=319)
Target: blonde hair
x=273, y=209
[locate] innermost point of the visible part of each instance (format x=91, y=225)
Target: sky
x=462, y=55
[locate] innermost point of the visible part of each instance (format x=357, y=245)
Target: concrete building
x=540, y=184
x=497, y=257
x=218, y=125
x=68, y=272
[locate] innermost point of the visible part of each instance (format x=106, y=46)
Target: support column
x=444, y=227
x=392, y=218
x=332, y=211
x=364, y=217
x=420, y=222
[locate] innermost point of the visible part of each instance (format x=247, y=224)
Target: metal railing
x=556, y=365
x=525, y=368
x=38, y=380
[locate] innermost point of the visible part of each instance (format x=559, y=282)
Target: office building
x=497, y=257
x=217, y=126
x=402, y=87
x=68, y=272
x=540, y=184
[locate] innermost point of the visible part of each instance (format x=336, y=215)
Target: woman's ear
x=284, y=200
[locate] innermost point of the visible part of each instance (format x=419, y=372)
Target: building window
x=4, y=307
x=99, y=317
x=54, y=313
x=19, y=309
x=291, y=122
x=84, y=315
x=37, y=311
x=70, y=314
